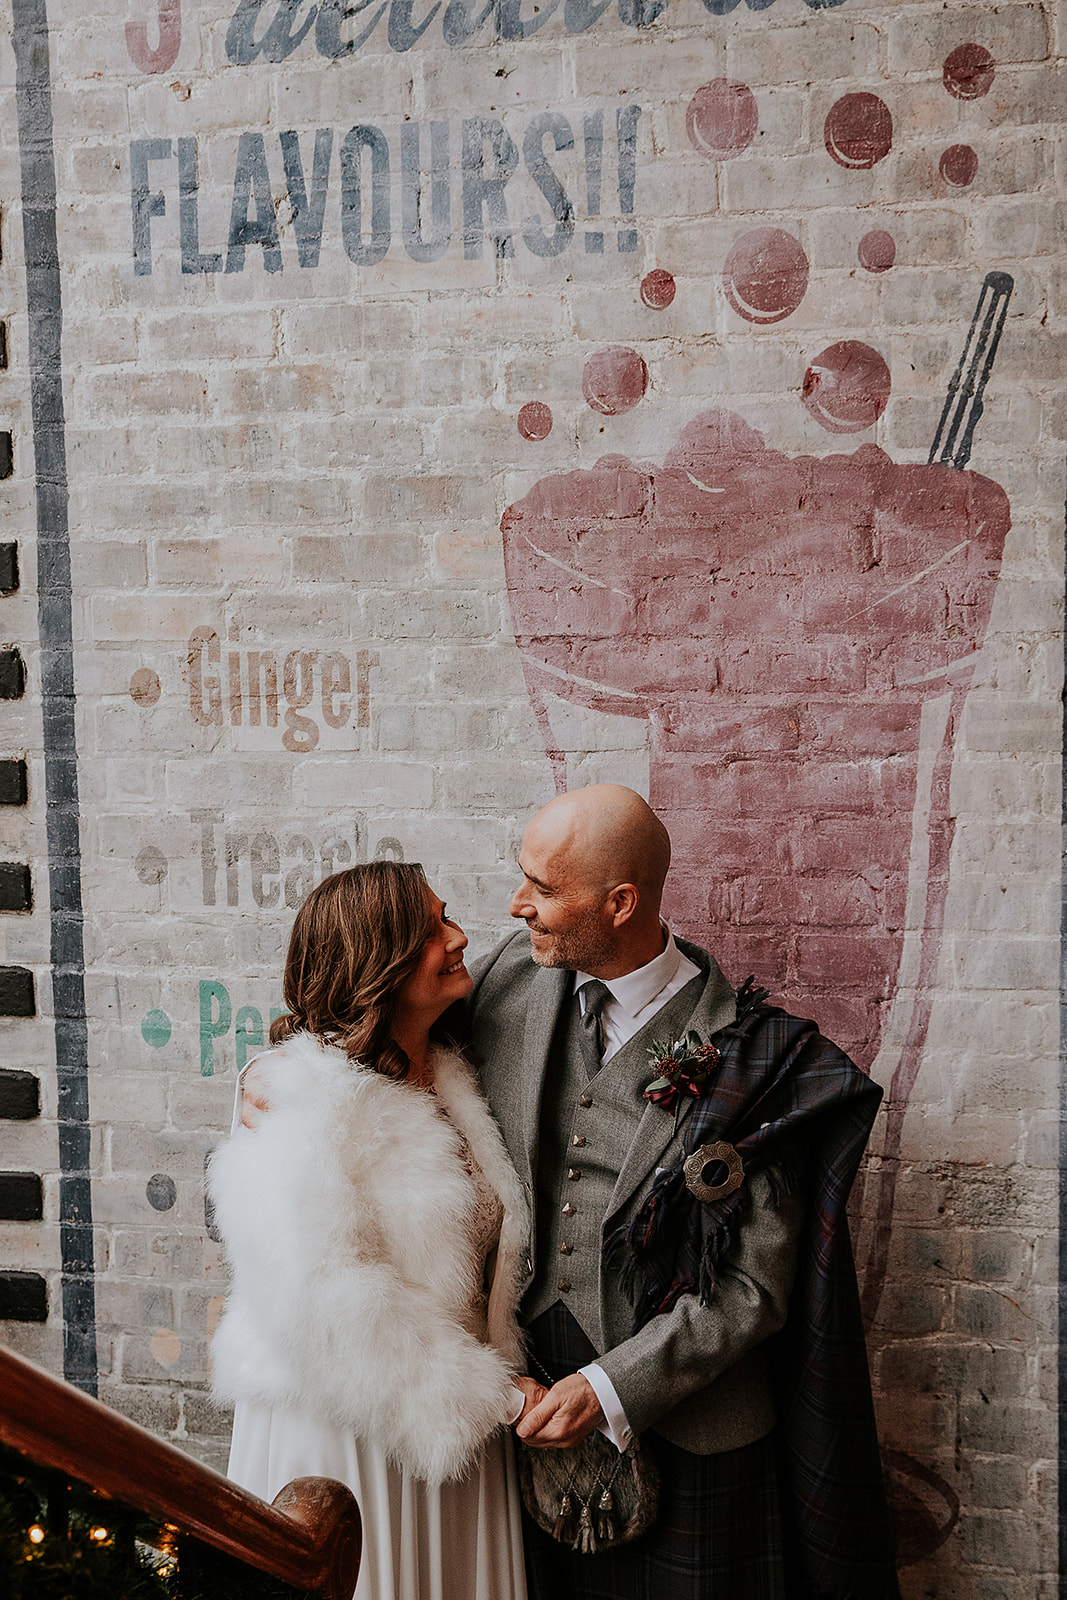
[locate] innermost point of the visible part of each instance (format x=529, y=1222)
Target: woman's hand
x=535, y=1392
x=254, y=1103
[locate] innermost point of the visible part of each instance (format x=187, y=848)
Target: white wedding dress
x=462, y=1541
x=457, y=1541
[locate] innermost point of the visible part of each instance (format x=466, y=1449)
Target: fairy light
x=99, y=1534
x=35, y=1533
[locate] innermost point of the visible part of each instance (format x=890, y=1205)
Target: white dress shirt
x=635, y=998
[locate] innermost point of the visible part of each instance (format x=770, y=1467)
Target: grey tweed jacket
x=696, y=1374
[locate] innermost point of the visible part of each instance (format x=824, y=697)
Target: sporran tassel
x=605, y=1519
x=564, y=1528
x=585, y=1544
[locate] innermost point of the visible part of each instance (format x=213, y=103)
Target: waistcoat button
x=579, y=1140
x=586, y=1101
x=573, y=1174
x=564, y=1286
x=569, y=1210
x=565, y=1249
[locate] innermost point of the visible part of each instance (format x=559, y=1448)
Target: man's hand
x=254, y=1102
x=535, y=1392
x=568, y=1413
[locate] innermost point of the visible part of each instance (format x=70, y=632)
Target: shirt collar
x=635, y=990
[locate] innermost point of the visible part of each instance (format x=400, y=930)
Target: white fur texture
x=347, y=1221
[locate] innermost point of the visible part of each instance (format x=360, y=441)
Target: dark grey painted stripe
x=45, y=326
x=1062, y=1408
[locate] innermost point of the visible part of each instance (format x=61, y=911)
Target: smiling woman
x=374, y=1226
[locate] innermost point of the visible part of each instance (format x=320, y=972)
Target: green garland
x=61, y=1540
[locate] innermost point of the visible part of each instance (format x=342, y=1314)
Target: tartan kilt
x=718, y=1535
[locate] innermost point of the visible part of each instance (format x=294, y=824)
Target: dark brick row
x=16, y=889
x=23, y=1295
x=20, y=1095
x=21, y=1197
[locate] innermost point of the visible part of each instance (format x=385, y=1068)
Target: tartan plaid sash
x=795, y=1106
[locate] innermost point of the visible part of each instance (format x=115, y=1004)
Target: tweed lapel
x=548, y=989
x=715, y=1008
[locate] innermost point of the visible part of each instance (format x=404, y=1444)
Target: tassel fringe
x=585, y=1544
x=565, y=1528
x=605, y=1519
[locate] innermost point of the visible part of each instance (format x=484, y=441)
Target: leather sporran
x=590, y=1496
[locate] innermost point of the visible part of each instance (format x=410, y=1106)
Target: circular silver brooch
x=712, y=1155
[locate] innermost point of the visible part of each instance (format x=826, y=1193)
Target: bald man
x=707, y=1306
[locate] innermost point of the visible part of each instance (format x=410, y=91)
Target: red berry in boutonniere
x=682, y=1068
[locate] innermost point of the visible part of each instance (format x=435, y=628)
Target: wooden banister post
x=328, y=1512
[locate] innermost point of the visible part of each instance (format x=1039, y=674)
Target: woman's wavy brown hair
x=355, y=940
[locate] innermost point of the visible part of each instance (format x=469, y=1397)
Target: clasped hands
x=554, y=1418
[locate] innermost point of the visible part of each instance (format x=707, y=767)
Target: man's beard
x=581, y=948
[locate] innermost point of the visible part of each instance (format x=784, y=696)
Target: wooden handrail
x=311, y=1537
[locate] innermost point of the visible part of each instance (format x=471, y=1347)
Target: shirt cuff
x=614, y=1426
x=517, y=1405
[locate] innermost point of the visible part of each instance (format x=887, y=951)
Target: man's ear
x=622, y=903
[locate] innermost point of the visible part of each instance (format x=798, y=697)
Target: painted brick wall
x=450, y=406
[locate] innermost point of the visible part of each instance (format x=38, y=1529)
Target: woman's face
x=440, y=977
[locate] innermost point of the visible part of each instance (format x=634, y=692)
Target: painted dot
x=958, y=165
x=166, y=1347
x=722, y=119
x=535, y=420
x=765, y=275
x=144, y=686
x=846, y=387
x=162, y=1191
x=858, y=130
x=657, y=289
x=968, y=72
x=614, y=379
x=877, y=251
x=150, y=865
x=155, y=1029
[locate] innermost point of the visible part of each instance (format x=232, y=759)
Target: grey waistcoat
x=583, y=1175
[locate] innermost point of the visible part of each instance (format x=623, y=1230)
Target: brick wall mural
x=406, y=412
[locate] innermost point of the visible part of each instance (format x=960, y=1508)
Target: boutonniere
x=682, y=1068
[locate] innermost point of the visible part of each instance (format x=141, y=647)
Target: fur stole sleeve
x=346, y=1215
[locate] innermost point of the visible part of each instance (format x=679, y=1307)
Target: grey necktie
x=590, y=1027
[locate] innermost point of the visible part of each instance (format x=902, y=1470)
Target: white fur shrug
x=346, y=1216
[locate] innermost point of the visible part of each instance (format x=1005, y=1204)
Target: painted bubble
x=657, y=289
x=858, y=130
x=766, y=275
x=535, y=420
x=722, y=119
x=968, y=72
x=155, y=1028
x=958, y=165
x=150, y=865
x=144, y=686
x=614, y=379
x=161, y=1191
x=877, y=251
x=166, y=1347
x=846, y=387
